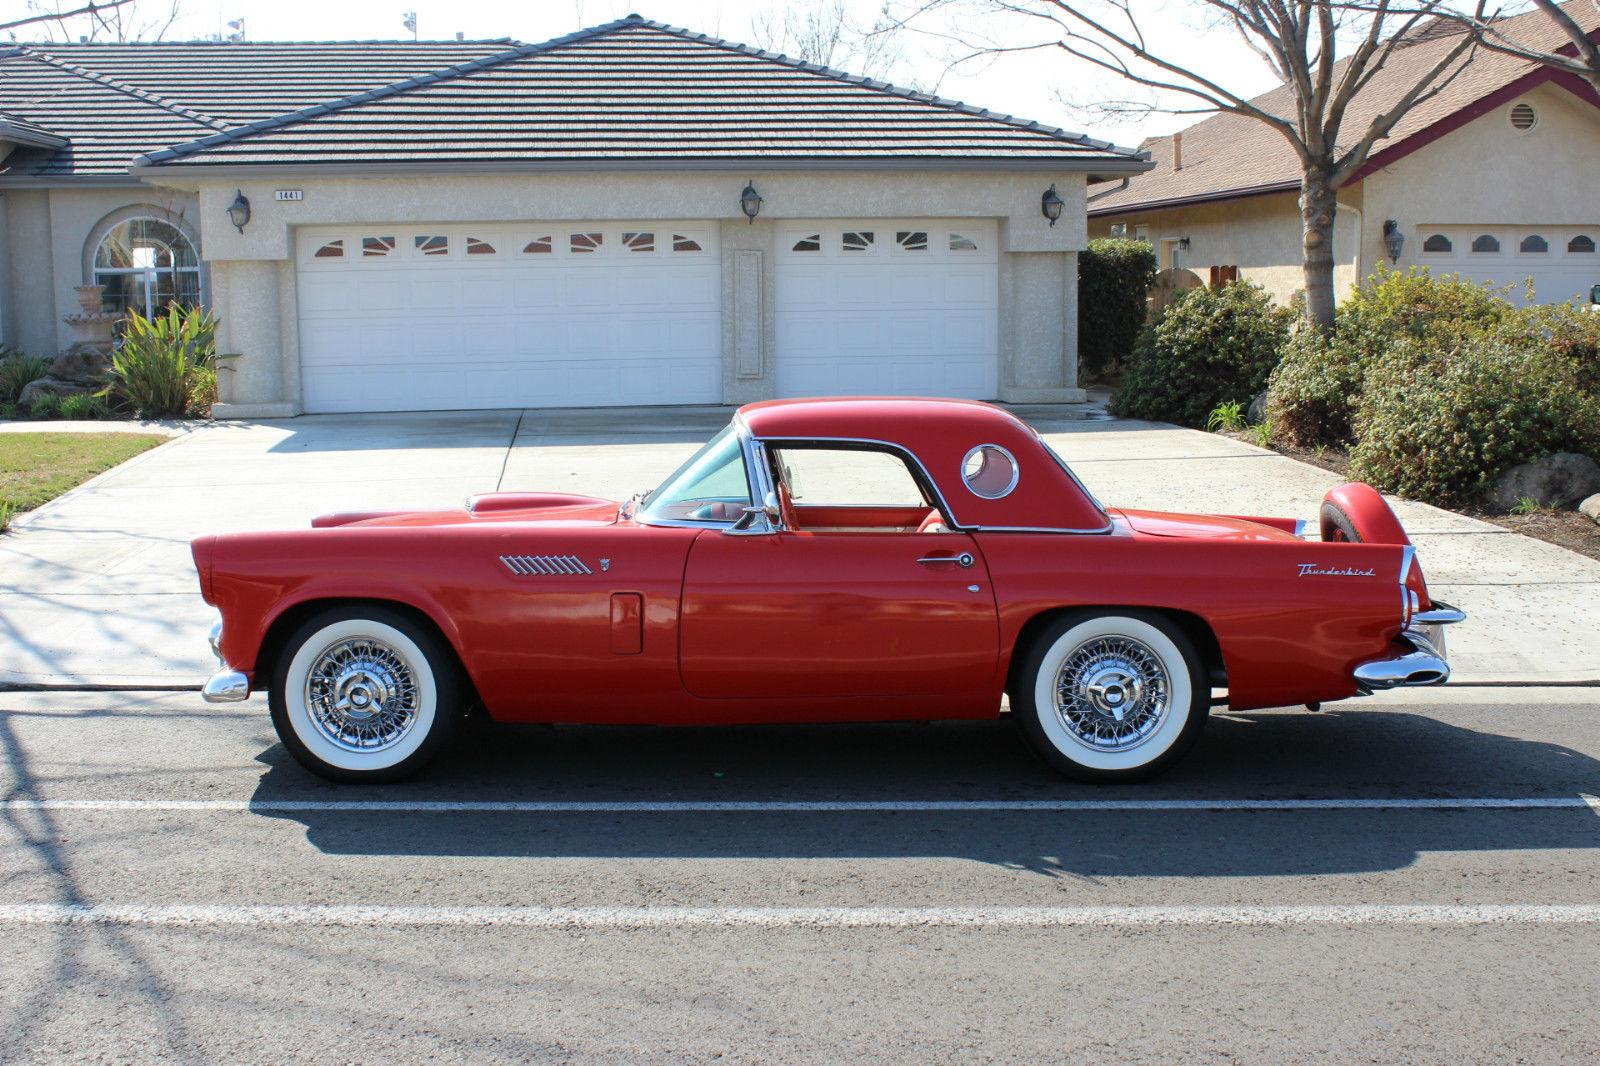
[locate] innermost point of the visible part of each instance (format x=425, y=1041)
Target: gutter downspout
x=1123, y=184
x=1356, y=211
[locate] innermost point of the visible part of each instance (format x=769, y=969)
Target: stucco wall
x=1486, y=172
x=1258, y=234
x=47, y=232
x=1038, y=316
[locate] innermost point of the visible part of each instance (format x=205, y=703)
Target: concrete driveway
x=99, y=588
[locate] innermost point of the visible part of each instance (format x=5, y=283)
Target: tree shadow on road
x=1356, y=754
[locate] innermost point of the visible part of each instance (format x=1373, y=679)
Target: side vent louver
x=551, y=565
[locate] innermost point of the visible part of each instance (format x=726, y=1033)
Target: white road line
x=266, y=806
x=669, y=917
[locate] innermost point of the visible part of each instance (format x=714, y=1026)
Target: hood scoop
x=491, y=502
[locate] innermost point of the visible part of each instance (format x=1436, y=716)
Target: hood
x=552, y=507
x=1213, y=527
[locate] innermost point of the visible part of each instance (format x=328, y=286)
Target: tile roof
x=1230, y=155
x=117, y=101
x=635, y=90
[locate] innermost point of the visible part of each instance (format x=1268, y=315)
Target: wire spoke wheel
x=362, y=694
x=1112, y=693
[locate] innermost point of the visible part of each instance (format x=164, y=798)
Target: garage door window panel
x=539, y=246
x=1438, y=244
x=1533, y=244
x=639, y=242
x=1581, y=245
x=857, y=241
x=686, y=243
x=960, y=243
x=1486, y=244
x=476, y=246
x=431, y=244
x=911, y=240
x=585, y=243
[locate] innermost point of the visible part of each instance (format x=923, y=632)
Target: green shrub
x=155, y=369
x=1114, y=279
x=1209, y=347
x=8, y=511
x=1316, y=389
x=1440, y=425
x=46, y=406
x=81, y=406
x=16, y=370
x=8, y=411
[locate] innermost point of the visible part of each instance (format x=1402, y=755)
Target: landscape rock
x=57, y=388
x=80, y=364
x=1591, y=507
x=1559, y=480
x=1258, y=410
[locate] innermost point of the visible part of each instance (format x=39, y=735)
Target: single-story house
x=1492, y=179
x=632, y=214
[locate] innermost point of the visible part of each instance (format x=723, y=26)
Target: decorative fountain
x=83, y=367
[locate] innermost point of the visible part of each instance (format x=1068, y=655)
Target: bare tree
x=822, y=32
x=95, y=20
x=1574, y=52
x=1324, y=52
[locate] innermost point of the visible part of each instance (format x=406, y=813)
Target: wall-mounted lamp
x=1183, y=244
x=239, y=210
x=750, y=201
x=1393, y=240
x=1051, y=204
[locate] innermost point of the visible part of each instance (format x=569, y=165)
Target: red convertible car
x=818, y=561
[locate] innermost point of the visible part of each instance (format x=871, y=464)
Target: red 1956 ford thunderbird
x=818, y=561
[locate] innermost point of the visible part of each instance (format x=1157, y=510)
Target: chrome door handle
x=964, y=559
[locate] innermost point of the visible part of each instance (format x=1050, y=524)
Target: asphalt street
x=1405, y=878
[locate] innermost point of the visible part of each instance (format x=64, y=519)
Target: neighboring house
x=491, y=224
x=1493, y=179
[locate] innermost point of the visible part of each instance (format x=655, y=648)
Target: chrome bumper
x=224, y=686
x=1424, y=664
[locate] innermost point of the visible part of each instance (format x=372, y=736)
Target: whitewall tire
x=1111, y=696
x=364, y=693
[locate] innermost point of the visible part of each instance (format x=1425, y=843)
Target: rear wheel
x=364, y=694
x=1111, y=697
x=1337, y=526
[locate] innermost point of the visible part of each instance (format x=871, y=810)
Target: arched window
x=1437, y=243
x=1533, y=244
x=146, y=264
x=1485, y=244
x=1581, y=245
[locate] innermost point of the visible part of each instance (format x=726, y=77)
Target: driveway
x=99, y=589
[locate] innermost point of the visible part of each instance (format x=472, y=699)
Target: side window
x=840, y=477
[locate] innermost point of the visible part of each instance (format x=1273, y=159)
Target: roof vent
x=1523, y=118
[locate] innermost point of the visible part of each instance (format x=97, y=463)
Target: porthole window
x=1438, y=243
x=989, y=472
x=1523, y=117
x=1533, y=244
x=1485, y=244
x=1581, y=245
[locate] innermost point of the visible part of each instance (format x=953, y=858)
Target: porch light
x=1393, y=240
x=1051, y=204
x=750, y=201
x=239, y=210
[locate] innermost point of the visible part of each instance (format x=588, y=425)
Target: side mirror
x=759, y=520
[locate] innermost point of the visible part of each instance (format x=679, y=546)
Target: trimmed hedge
x=1211, y=346
x=1114, y=279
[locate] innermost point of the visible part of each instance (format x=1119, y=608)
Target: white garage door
x=576, y=314
x=887, y=308
x=1562, y=261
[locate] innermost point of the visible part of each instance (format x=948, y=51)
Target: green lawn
x=37, y=467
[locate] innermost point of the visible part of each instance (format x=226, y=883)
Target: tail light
x=204, y=550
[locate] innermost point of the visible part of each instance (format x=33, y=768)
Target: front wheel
x=1111, y=697
x=364, y=694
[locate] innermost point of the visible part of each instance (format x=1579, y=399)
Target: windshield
x=710, y=487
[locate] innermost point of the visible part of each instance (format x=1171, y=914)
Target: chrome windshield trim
x=641, y=517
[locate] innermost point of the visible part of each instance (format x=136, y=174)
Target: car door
x=852, y=598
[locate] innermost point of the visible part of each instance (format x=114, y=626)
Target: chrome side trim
x=1440, y=614
x=215, y=639
x=1408, y=556
x=226, y=686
